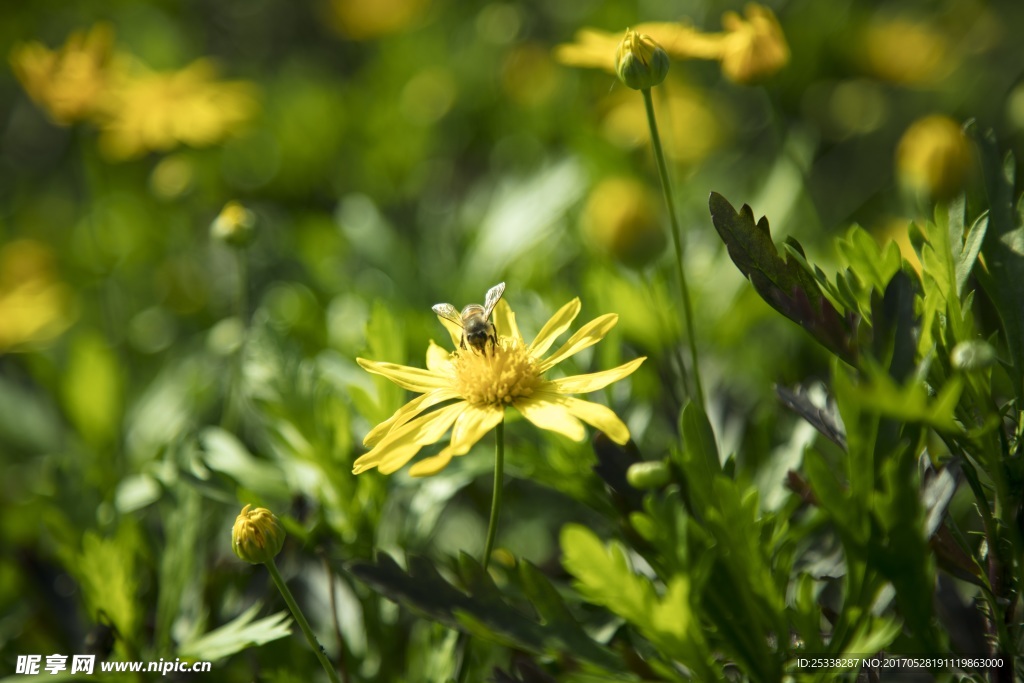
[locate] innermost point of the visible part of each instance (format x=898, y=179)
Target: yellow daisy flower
x=68, y=82
x=157, y=111
x=477, y=387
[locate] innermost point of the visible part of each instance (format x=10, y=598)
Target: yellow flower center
x=497, y=376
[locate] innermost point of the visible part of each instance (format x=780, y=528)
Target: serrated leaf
x=604, y=577
x=237, y=635
x=106, y=571
x=784, y=284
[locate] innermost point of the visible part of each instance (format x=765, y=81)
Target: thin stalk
x=300, y=618
x=233, y=397
x=499, y=480
x=684, y=290
x=342, y=650
x=462, y=646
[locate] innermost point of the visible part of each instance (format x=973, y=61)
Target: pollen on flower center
x=499, y=375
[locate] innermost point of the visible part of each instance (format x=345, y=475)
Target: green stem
x=300, y=618
x=684, y=290
x=499, y=480
x=233, y=398
x=462, y=646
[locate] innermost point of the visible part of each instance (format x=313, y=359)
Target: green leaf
x=880, y=394
x=238, y=635
x=225, y=453
x=699, y=457
x=604, y=577
x=784, y=284
x=483, y=611
x=180, y=565
x=871, y=265
x=106, y=570
x=1002, y=243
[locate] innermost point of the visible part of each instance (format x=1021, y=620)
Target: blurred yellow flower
x=482, y=385
x=620, y=219
x=753, y=47
x=934, y=157
x=906, y=51
x=750, y=48
x=69, y=82
x=35, y=307
x=362, y=20
x=153, y=111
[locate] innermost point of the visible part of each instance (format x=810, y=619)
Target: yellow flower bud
x=620, y=219
x=640, y=62
x=934, y=157
x=235, y=225
x=257, y=535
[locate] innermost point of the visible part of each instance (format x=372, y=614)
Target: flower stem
x=462, y=646
x=233, y=397
x=684, y=291
x=499, y=480
x=301, y=619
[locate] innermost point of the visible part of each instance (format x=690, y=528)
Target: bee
x=477, y=329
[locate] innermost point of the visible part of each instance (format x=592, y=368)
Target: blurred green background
x=396, y=154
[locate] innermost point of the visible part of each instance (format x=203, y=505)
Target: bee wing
x=448, y=312
x=493, y=294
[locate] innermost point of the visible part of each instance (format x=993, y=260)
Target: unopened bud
x=257, y=535
x=235, y=225
x=640, y=62
x=976, y=354
x=652, y=474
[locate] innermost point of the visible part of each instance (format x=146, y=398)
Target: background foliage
x=401, y=153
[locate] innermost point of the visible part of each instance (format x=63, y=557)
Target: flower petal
x=505, y=321
x=588, y=335
x=547, y=414
x=401, y=444
x=597, y=416
x=438, y=358
x=407, y=412
x=558, y=324
x=471, y=426
x=584, y=384
x=427, y=467
x=413, y=379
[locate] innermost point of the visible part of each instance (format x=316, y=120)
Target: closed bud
x=257, y=535
x=652, y=474
x=976, y=354
x=235, y=225
x=640, y=62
